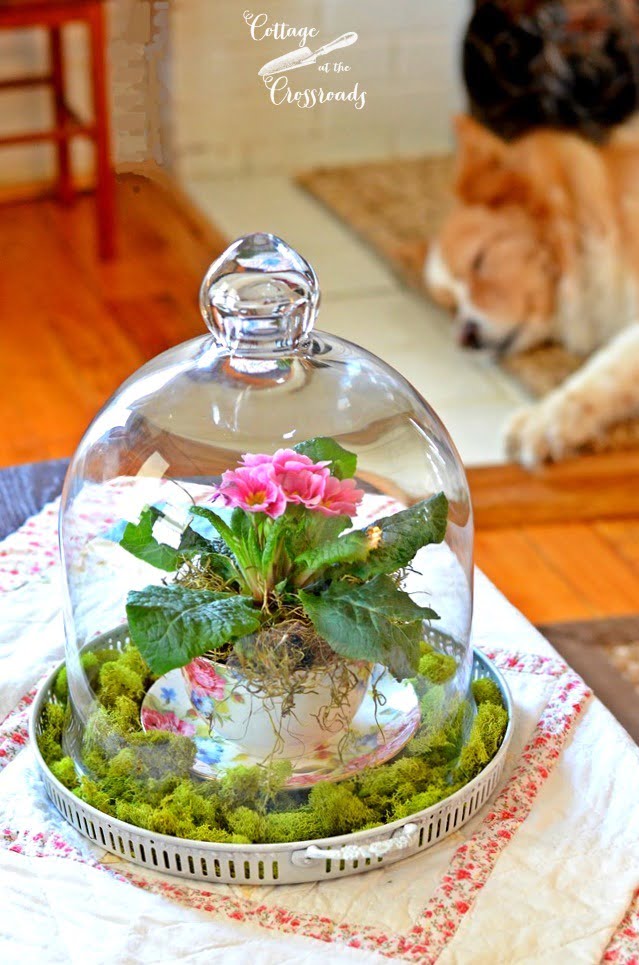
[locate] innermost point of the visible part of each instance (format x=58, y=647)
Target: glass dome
x=267, y=544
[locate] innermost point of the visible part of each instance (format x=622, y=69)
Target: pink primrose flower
x=301, y=480
x=265, y=484
x=256, y=459
x=253, y=489
x=304, y=486
x=158, y=720
x=202, y=674
x=341, y=497
x=287, y=460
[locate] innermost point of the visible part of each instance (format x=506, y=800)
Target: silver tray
x=292, y=863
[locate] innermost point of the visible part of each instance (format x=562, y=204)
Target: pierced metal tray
x=294, y=863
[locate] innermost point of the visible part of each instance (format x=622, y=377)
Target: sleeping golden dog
x=543, y=245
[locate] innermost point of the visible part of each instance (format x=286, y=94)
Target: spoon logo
x=275, y=72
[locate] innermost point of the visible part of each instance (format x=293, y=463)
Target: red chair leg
x=65, y=183
x=105, y=180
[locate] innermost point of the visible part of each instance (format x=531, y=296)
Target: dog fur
x=543, y=245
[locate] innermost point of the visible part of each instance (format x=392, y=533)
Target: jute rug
x=606, y=654
x=396, y=207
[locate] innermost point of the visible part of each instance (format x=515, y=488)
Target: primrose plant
x=285, y=582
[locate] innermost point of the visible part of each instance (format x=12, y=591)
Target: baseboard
x=590, y=487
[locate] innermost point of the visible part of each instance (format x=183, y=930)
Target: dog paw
x=539, y=433
x=521, y=440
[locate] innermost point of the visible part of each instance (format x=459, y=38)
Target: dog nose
x=469, y=334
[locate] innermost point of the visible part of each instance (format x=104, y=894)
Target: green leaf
x=345, y=549
x=223, y=566
x=194, y=544
x=241, y=523
x=252, y=544
x=138, y=540
x=343, y=463
x=274, y=531
x=403, y=534
x=201, y=529
x=372, y=621
x=219, y=525
x=311, y=528
x=244, y=528
x=171, y=625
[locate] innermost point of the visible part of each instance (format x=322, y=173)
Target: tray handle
x=402, y=838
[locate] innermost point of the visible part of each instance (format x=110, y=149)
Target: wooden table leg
x=105, y=181
x=65, y=183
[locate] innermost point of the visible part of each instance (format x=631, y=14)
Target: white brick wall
x=185, y=86
x=136, y=130
x=223, y=121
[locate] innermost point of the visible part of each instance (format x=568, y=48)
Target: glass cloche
x=267, y=543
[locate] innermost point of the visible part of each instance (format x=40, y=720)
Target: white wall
x=223, y=121
x=185, y=87
x=137, y=53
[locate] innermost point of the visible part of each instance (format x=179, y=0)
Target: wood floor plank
x=526, y=577
x=74, y=327
x=556, y=573
x=623, y=535
x=163, y=244
x=589, y=564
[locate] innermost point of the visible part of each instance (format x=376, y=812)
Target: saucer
x=372, y=738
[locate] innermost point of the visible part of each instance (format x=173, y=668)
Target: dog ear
x=489, y=174
x=483, y=172
x=481, y=162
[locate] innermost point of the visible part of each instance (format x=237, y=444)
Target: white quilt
x=548, y=872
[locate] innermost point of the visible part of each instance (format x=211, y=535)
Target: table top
x=547, y=872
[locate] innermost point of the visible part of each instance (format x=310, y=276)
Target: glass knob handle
x=260, y=297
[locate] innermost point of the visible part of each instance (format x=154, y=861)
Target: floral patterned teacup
x=220, y=696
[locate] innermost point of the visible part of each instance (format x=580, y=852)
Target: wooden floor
x=565, y=571
x=562, y=544
x=73, y=327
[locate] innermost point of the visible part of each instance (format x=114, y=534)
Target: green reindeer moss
x=144, y=777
